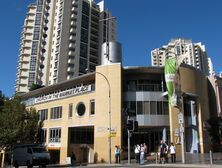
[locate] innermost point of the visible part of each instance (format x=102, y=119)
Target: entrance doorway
x=55, y=156
x=81, y=143
x=150, y=136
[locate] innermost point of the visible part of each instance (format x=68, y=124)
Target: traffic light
x=129, y=125
x=135, y=126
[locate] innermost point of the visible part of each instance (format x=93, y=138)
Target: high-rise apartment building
x=185, y=51
x=60, y=40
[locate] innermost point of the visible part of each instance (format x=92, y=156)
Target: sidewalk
x=124, y=163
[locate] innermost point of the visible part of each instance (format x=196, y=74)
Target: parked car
x=30, y=155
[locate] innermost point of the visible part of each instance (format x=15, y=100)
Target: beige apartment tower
x=60, y=40
x=185, y=51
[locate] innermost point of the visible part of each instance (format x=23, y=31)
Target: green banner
x=170, y=72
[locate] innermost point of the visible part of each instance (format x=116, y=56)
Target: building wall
x=113, y=75
x=193, y=84
x=100, y=120
x=107, y=79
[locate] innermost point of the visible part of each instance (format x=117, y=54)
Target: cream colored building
x=84, y=113
x=60, y=40
x=185, y=51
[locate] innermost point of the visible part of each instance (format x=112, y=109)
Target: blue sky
x=142, y=25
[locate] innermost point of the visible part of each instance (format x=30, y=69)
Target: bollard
x=211, y=157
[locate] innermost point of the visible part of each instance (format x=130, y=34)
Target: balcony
x=72, y=46
x=72, y=39
x=71, y=61
x=73, y=23
x=75, y=4
x=73, y=31
x=71, y=53
x=70, y=69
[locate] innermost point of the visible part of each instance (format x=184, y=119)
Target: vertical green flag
x=170, y=72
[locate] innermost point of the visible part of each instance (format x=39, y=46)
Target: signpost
x=181, y=122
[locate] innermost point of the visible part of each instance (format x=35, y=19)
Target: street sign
x=112, y=134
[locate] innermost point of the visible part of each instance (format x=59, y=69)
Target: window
x=82, y=65
x=38, y=19
x=139, y=107
x=29, y=150
x=34, y=47
x=31, y=78
x=146, y=107
x=85, y=8
x=84, y=35
x=36, y=33
x=55, y=135
x=70, y=110
x=165, y=108
x=82, y=135
x=92, y=107
x=85, y=21
x=56, y=112
x=83, y=50
x=153, y=107
x=32, y=64
x=80, y=109
x=43, y=114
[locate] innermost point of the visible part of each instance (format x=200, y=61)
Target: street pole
x=128, y=146
x=109, y=113
x=128, y=142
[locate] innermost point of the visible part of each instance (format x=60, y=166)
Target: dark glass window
x=85, y=8
x=139, y=107
x=92, y=107
x=82, y=65
x=82, y=135
x=83, y=50
x=85, y=22
x=153, y=107
x=84, y=35
x=70, y=110
x=80, y=109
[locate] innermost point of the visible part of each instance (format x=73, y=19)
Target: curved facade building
x=88, y=114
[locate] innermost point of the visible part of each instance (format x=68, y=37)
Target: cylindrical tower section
x=111, y=53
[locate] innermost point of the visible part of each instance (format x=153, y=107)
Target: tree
x=2, y=100
x=35, y=86
x=18, y=125
x=215, y=132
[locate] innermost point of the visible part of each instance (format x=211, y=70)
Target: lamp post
x=109, y=113
x=109, y=128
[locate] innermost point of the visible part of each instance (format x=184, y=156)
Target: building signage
x=54, y=145
x=63, y=94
